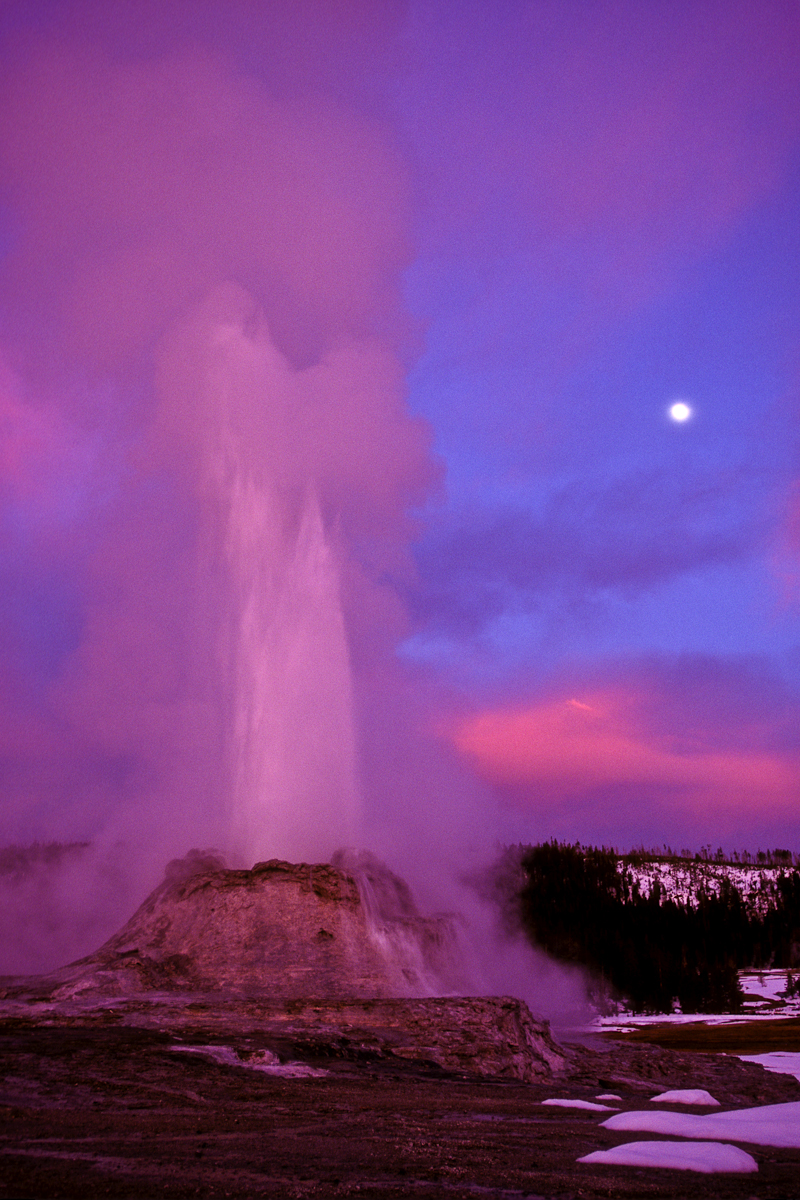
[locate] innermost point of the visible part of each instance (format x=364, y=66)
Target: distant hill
x=660, y=930
x=686, y=881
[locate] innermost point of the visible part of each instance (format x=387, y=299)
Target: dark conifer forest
x=583, y=905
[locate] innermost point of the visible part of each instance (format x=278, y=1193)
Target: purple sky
x=479, y=251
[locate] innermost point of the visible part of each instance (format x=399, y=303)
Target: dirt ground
x=96, y=1111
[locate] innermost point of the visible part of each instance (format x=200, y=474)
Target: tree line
x=582, y=905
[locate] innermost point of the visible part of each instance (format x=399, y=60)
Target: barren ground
x=95, y=1109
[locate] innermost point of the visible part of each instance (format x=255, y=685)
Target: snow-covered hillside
x=682, y=879
x=661, y=930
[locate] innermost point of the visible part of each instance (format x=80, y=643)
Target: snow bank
x=685, y=1096
x=587, y=1104
x=770, y=992
x=622, y=1022
x=780, y=1062
x=769, y=1125
x=707, y=1157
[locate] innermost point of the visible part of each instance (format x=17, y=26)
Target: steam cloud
x=203, y=388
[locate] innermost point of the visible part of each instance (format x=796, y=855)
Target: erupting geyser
x=291, y=742
x=269, y=593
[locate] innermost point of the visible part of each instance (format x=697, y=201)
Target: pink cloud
x=588, y=744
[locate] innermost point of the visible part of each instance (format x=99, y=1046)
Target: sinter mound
x=320, y=949
x=287, y=929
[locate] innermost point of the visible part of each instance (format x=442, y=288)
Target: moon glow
x=680, y=411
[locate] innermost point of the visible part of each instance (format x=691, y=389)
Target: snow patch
x=780, y=1062
x=627, y=1022
x=770, y=991
x=707, y=1157
x=680, y=880
x=685, y=1096
x=768, y=1125
x=587, y=1104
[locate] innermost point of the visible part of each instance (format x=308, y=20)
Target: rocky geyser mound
x=284, y=929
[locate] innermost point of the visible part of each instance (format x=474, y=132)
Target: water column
x=292, y=746
x=288, y=729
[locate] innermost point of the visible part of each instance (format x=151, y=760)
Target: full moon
x=679, y=411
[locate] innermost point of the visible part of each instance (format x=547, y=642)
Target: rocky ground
x=102, y=1104
x=157, y=1066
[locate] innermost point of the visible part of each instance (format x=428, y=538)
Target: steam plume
x=203, y=315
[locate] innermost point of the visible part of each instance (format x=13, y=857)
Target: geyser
x=270, y=594
x=291, y=739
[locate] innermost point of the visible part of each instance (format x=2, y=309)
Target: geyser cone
x=281, y=930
